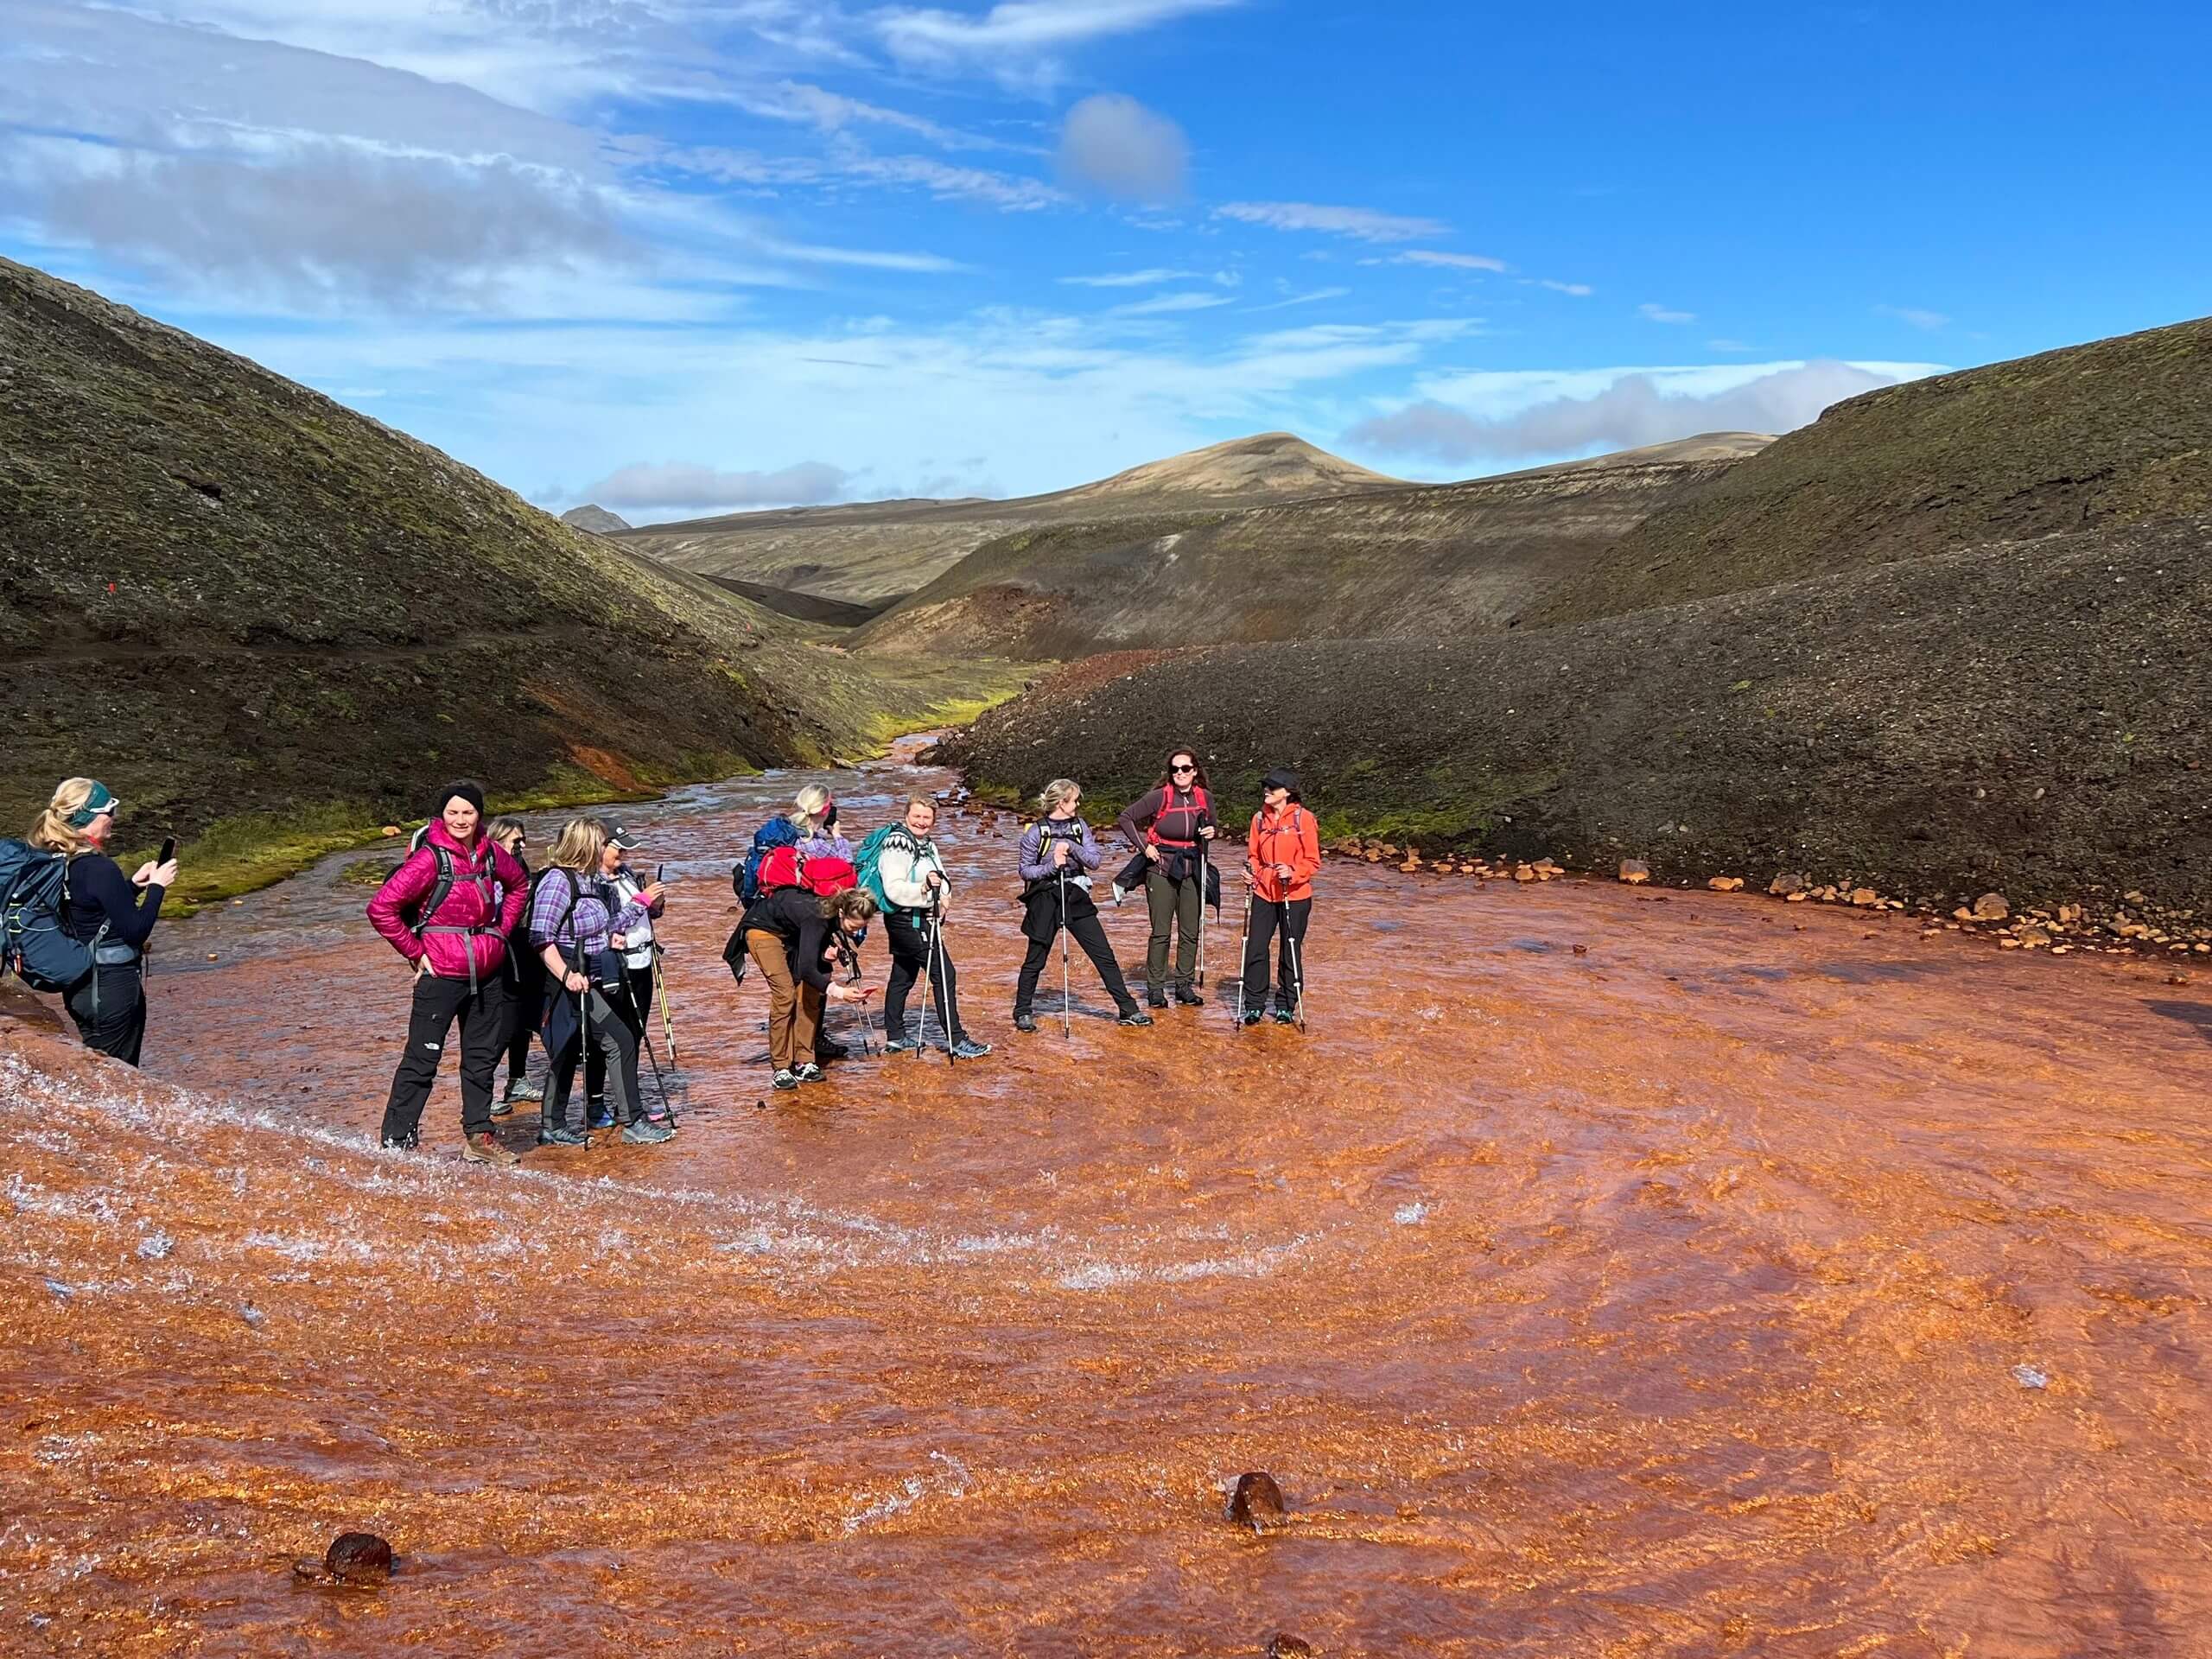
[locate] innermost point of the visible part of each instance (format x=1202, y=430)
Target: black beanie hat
x=467, y=789
x=1282, y=778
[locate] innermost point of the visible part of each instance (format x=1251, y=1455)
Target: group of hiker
x=566, y=957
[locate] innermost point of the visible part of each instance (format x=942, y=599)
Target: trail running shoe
x=648, y=1132
x=527, y=1092
x=1250, y=1017
x=1025, y=1021
x=1134, y=1017
x=900, y=1044
x=809, y=1073
x=485, y=1148
x=967, y=1048
x=1154, y=999
x=503, y=1107
x=1189, y=998
x=1284, y=1017
x=825, y=1050
x=785, y=1079
x=405, y=1143
x=558, y=1137
x=599, y=1115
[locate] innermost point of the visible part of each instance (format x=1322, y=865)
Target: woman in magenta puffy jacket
x=449, y=909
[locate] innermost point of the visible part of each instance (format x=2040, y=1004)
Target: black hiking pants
x=633, y=1010
x=1269, y=919
x=438, y=1003
x=1090, y=934
x=909, y=934
x=610, y=1039
x=525, y=996
x=117, y=1025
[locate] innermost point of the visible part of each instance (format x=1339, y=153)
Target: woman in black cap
x=101, y=906
x=1281, y=855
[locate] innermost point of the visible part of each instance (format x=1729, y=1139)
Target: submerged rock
x=1285, y=1646
x=355, y=1558
x=1257, y=1502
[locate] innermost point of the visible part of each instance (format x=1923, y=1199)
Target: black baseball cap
x=619, y=836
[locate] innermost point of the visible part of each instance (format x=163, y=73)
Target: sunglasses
x=1182, y=768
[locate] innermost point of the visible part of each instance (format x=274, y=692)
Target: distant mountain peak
x=595, y=518
x=1265, y=464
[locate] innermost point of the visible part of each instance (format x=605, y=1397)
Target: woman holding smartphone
x=104, y=907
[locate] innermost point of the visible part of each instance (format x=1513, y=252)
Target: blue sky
x=682, y=257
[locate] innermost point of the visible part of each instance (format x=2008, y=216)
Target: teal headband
x=102, y=799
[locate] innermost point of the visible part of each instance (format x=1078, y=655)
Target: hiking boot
x=1189, y=998
x=967, y=1048
x=559, y=1137
x=824, y=1050
x=1250, y=1017
x=485, y=1148
x=901, y=1044
x=410, y=1141
x=525, y=1091
x=503, y=1107
x=599, y=1115
x=1283, y=1017
x=1154, y=999
x=784, y=1079
x=1025, y=1021
x=648, y=1132
x=809, y=1073
x=1134, y=1016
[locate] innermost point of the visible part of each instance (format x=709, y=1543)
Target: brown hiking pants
x=794, y=1007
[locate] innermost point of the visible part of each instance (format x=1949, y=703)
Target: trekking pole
x=667, y=1018
x=1298, y=980
x=1243, y=953
x=922, y=1027
x=1205, y=867
x=937, y=953
x=645, y=1037
x=1067, y=1019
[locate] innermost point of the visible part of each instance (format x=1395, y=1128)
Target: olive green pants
x=1176, y=909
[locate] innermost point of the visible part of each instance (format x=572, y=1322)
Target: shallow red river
x=1768, y=1280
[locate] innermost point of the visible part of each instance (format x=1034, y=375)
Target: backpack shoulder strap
x=440, y=890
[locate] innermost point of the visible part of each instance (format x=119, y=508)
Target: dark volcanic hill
x=2028, y=716
x=1373, y=562
x=233, y=598
x=873, y=553
x=2115, y=432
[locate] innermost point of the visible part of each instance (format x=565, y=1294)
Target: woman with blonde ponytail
x=100, y=905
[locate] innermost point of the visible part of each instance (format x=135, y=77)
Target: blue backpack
x=779, y=831
x=33, y=889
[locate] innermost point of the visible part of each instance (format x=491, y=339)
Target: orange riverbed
x=1766, y=1280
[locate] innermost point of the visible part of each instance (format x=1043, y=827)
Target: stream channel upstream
x=1763, y=1279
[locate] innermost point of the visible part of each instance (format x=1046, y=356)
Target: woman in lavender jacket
x=1058, y=855
x=576, y=922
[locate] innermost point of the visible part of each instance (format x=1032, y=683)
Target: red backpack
x=825, y=877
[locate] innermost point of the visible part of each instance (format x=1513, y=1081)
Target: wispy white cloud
x=1728, y=346
x=1930, y=321
x=1579, y=290
x=1115, y=145
x=1166, y=304
x=1310, y=298
x=1451, y=261
x=1150, y=278
x=1630, y=409
x=664, y=485
x=1653, y=313
x=1362, y=224
x=1020, y=37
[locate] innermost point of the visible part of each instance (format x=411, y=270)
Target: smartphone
x=660, y=872
x=169, y=850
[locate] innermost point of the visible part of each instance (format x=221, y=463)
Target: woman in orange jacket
x=1281, y=855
